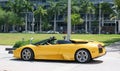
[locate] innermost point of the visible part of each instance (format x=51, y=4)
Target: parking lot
x=109, y=62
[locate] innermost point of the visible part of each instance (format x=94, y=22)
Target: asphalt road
x=109, y=62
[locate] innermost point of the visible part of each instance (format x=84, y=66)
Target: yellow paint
x=61, y=51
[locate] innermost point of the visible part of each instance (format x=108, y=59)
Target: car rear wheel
x=27, y=54
x=82, y=56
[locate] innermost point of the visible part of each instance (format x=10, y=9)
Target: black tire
x=27, y=54
x=82, y=56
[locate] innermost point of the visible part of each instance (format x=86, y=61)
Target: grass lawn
x=11, y=38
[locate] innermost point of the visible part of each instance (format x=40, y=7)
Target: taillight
x=100, y=46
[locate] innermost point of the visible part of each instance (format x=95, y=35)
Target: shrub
x=22, y=43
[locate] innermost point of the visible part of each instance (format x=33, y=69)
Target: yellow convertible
x=52, y=49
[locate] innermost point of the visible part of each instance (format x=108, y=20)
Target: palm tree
x=41, y=12
x=117, y=3
x=19, y=7
x=13, y=19
x=87, y=8
x=105, y=10
x=75, y=7
x=27, y=6
x=91, y=11
x=2, y=20
x=15, y=6
x=76, y=17
x=55, y=9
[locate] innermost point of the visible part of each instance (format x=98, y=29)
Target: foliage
x=76, y=19
x=2, y=13
x=46, y=26
x=22, y=43
x=13, y=19
x=106, y=9
x=10, y=18
x=19, y=6
x=18, y=44
x=75, y=6
x=87, y=7
x=117, y=5
x=56, y=8
x=117, y=2
x=41, y=12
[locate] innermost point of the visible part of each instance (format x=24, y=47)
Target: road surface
x=109, y=62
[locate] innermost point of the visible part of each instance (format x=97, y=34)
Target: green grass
x=11, y=38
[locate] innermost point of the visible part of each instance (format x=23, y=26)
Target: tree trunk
x=115, y=27
x=54, y=22
x=37, y=27
x=13, y=27
x=4, y=30
x=40, y=24
x=99, y=20
x=86, y=19
x=2, y=27
x=102, y=19
x=74, y=28
x=33, y=23
x=119, y=26
x=90, y=23
x=26, y=23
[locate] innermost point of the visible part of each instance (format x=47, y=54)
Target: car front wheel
x=27, y=54
x=82, y=56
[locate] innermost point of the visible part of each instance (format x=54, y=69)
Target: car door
x=48, y=51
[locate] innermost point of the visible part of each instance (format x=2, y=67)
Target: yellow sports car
x=52, y=49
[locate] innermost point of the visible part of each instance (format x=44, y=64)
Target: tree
x=46, y=26
x=103, y=10
x=76, y=19
x=117, y=3
x=87, y=7
x=9, y=18
x=91, y=11
x=2, y=12
x=75, y=7
x=27, y=6
x=41, y=12
x=21, y=7
x=56, y=7
x=14, y=19
x=106, y=9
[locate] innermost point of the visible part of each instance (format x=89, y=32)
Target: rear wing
x=10, y=50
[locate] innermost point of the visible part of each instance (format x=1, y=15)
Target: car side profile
x=53, y=49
